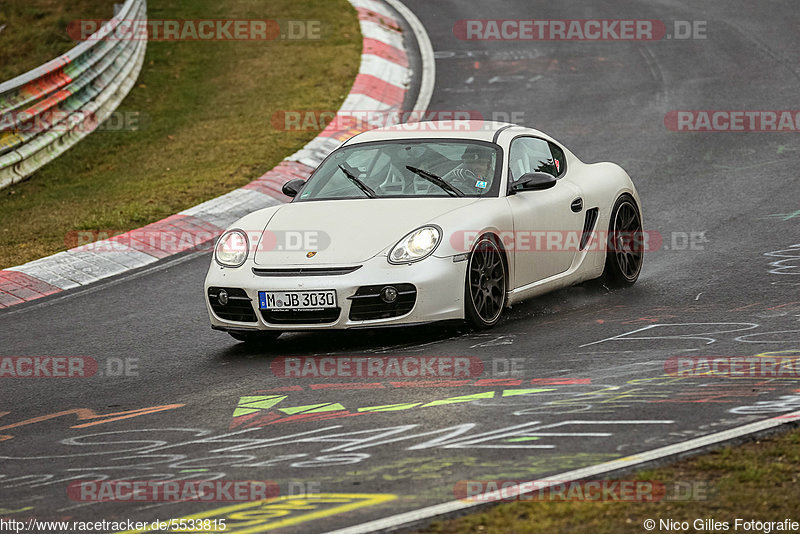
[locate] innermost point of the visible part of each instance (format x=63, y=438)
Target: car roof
x=462, y=129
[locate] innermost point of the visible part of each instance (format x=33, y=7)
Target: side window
x=530, y=154
x=559, y=161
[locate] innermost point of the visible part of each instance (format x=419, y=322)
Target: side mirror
x=292, y=187
x=534, y=181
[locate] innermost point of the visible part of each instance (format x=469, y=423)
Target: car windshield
x=421, y=168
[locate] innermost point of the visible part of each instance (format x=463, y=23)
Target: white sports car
x=404, y=225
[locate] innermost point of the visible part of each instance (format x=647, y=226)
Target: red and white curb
x=381, y=85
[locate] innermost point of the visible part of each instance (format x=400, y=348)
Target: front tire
x=485, y=286
x=255, y=338
x=624, y=245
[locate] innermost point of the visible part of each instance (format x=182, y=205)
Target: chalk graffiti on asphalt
x=133, y=448
x=785, y=403
x=263, y=410
x=680, y=331
x=789, y=264
x=86, y=414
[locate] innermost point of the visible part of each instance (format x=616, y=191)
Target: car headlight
x=231, y=249
x=416, y=246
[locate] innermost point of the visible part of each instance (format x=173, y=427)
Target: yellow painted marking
x=262, y=403
x=313, y=408
x=262, y=516
x=462, y=398
x=390, y=407
x=512, y=392
x=254, y=403
x=6, y=511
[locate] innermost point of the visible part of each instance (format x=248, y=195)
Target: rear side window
x=559, y=161
x=531, y=154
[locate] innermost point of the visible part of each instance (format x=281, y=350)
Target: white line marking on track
x=396, y=521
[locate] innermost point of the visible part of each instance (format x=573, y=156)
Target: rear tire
x=485, y=288
x=254, y=338
x=624, y=244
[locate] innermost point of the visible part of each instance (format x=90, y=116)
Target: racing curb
x=381, y=84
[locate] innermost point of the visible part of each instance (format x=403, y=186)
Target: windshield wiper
x=432, y=178
x=361, y=185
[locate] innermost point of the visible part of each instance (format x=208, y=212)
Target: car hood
x=344, y=232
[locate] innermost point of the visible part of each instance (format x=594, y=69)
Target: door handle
x=577, y=205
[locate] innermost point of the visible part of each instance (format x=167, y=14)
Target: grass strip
x=196, y=125
x=754, y=481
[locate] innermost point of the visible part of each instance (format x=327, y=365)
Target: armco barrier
x=50, y=108
x=381, y=85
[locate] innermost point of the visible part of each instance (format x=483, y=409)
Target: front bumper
x=439, y=284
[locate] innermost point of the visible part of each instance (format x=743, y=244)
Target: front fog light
x=222, y=297
x=389, y=294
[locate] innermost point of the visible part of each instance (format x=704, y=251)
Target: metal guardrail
x=46, y=110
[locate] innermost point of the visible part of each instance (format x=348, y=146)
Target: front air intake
x=234, y=306
x=368, y=304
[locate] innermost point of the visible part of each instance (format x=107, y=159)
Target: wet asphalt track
x=607, y=101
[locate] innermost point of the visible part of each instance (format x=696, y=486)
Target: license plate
x=297, y=300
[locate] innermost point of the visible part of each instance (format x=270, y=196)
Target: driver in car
x=475, y=169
